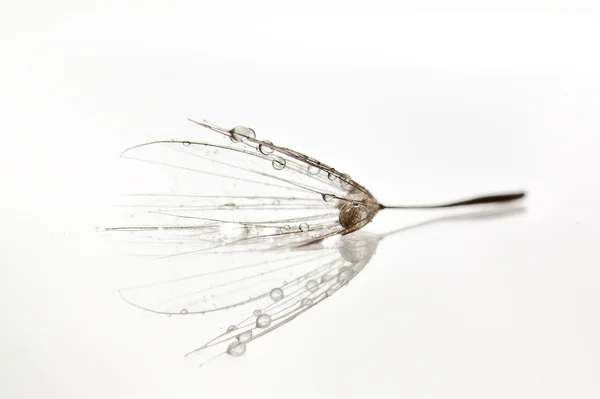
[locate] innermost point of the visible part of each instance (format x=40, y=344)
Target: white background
x=420, y=103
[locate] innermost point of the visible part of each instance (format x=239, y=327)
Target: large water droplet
x=265, y=147
x=328, y=197
x=183, y=311
x=263, y=321
x=304, y=226
x=276, y=294
x=313, y=170
x=244, y=337
x=236, y=348
x=278, y=163
x=186, y=143
x=240, y=133
x=230, y=232
x=312, y=285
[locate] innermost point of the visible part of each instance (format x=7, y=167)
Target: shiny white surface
x=416, y=107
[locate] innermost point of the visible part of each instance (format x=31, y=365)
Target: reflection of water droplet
x=276, y=294
x=231, y=328
x=263, y=321
x=304, y=226
x=313, y=170
x=256, y=312
x=344, y=274
x=276, y=202
x=328, y=197
x=240, y=133
x=306, y=302
x=278, y=163
x=230, y=232
x=265, y=147
x=246, y=336
x=312, y=285
x=236, y=348
x=183, y=311
x=186, y=143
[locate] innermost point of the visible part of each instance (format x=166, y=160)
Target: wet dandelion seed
x=240, y=226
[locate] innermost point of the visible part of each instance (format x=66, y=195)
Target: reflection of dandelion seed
x=263, y=229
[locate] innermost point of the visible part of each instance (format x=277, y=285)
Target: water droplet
x=229, y=205
x=230, y=232
x=231, y=328
x=304, y=226
x=330, y=292
x=278, y=163
x=240, y=133
x=328, y=197
x=276, y=294
x=286, y=227
x=306, y=302
x=186, y=143
x=263, y=321
x=276, y=202
x=244, y=337
x=331, y=176
x=313, y=170
x=256, y=312
x=344, y=275
x=265, y=147
x=183, y=311
x=312, y=285
x=345, y=181
x=236, y=348
x=326, y=277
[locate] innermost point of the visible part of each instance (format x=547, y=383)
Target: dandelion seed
x=238, y=227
